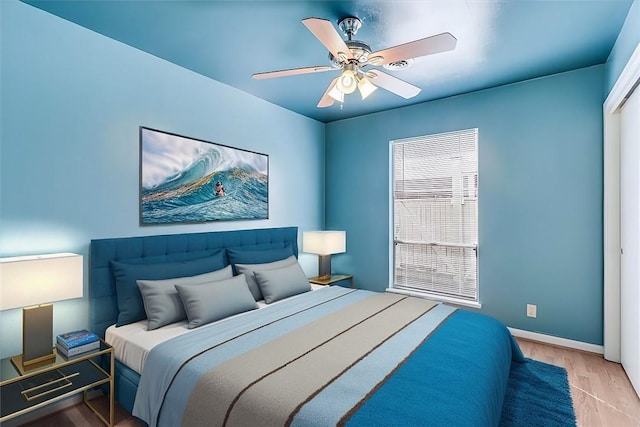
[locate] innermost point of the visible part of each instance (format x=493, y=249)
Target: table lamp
x=324, y=244
x=33, y=282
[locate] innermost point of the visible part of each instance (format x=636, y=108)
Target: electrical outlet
x=532, y=310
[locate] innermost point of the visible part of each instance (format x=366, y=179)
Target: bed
x=301, y=357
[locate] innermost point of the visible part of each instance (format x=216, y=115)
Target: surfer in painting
x=219, y=189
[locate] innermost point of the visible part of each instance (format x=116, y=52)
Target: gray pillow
x=248, y=269
x=208, y=302
x=126, y=272
x=162, y=302
x=282, y=282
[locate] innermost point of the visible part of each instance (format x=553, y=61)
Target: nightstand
x=335, y=278
x=22, y=391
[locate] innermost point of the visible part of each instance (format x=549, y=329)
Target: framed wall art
x=188, y=180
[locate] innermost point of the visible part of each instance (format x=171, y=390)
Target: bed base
x=163, y=248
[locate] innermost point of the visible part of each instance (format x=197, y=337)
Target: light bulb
x=347, y=82
x=366, y=87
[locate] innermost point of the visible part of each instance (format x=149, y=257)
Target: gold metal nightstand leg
x=111, y=421
x=112, y=391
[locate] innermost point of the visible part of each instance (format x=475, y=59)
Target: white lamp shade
x=336, y=94
x=347, y=82
x=39, y=279
x=366, y=87
x=324, y=242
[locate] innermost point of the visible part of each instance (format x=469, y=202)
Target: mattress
x=132, y=343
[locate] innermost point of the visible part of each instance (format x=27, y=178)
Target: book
x=68, y=352
x=73, y=339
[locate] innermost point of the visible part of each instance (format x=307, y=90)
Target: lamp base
x=24, y=368
x=37, y=335
x=324, y=267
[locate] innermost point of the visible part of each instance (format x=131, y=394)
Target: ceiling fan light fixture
x=366, y=87
x=347, y=82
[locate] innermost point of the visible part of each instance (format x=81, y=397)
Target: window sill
x=439, y=298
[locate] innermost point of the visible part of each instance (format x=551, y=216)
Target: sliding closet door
x=630, y=238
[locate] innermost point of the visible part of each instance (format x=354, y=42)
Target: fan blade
x=327, y=100
x=417, y=48
x=393, y=84
x=291, y=72
x=328, y=36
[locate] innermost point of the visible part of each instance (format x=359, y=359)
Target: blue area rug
x=537, y=395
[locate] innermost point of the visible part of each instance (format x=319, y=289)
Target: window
x=435, y=215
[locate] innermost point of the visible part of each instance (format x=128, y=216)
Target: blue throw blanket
x=446, y=367
x=458, y=377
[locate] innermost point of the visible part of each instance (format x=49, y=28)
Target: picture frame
x=190, y=180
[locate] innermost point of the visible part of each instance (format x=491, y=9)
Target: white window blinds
x=435, y=221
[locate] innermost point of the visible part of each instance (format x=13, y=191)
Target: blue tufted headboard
x=173, y=247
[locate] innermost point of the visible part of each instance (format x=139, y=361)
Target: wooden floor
x=602, y=394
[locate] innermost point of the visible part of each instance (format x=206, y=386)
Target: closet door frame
x=625, y=84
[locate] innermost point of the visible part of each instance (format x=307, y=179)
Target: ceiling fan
x=352, y=57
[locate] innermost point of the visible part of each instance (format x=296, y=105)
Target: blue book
x=76, y=338
x=74, y=351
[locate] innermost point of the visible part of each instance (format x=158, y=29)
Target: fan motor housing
x=359, y=50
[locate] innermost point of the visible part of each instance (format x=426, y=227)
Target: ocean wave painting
x=189, y=180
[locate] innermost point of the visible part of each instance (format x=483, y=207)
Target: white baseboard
x=562, y=342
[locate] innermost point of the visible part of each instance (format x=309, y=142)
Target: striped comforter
x=332, y=357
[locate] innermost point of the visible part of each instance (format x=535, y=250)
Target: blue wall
x=540, y=196
x=72, y=102
x=626, y=43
